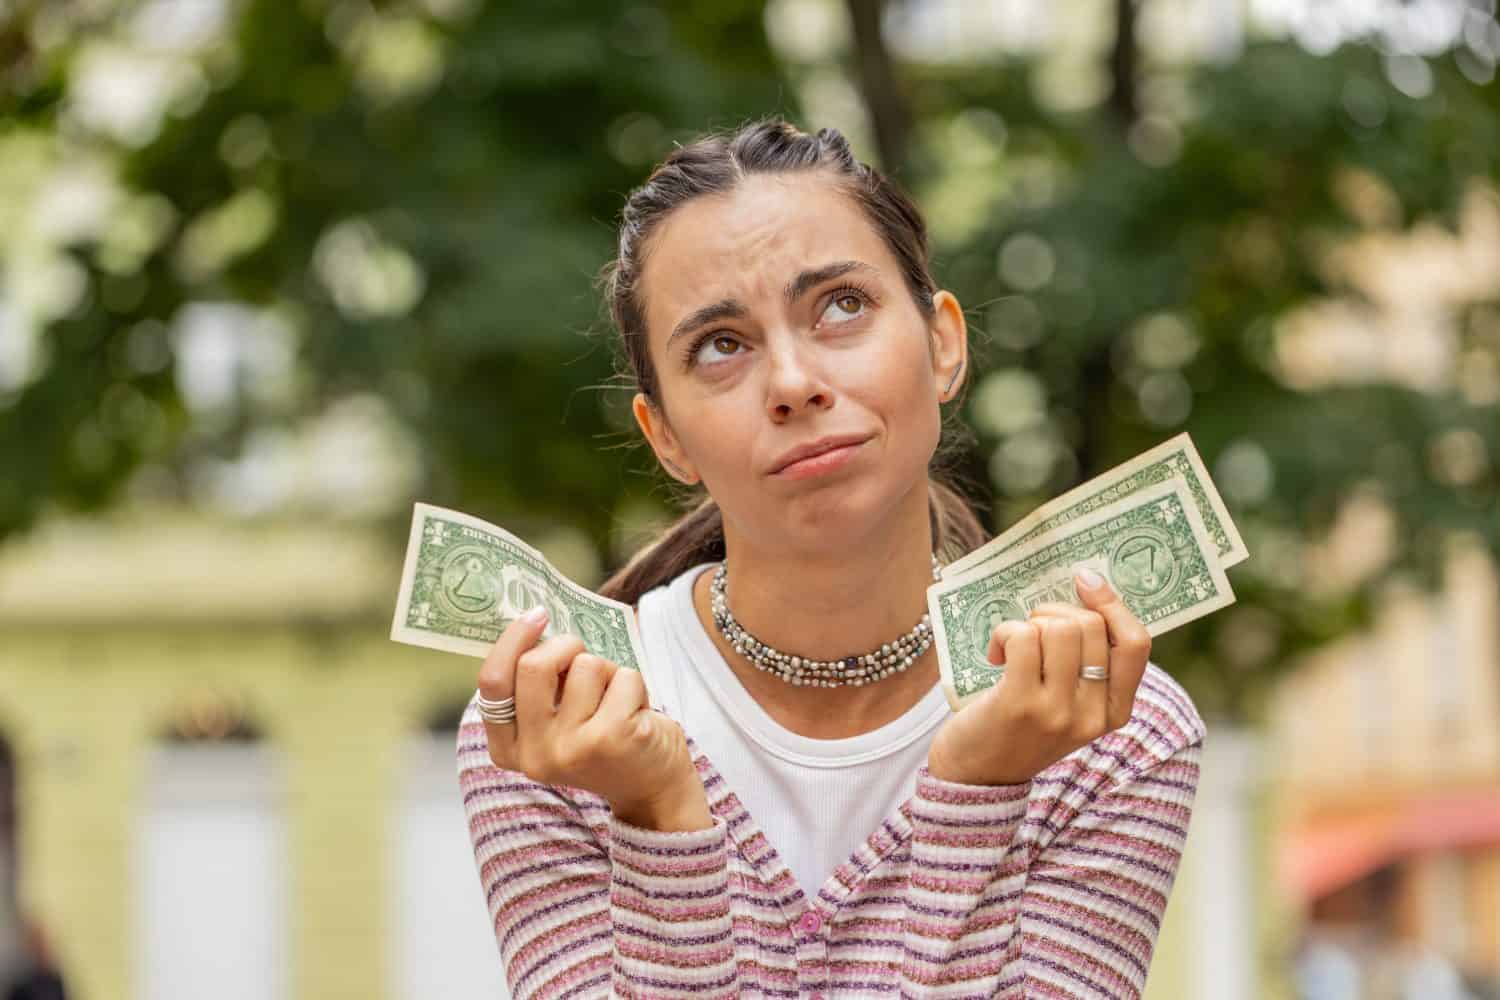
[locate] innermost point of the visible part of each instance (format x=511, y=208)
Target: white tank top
x=815, y=800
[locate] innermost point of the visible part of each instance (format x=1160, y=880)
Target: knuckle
x=532, y=661
x=570, y=759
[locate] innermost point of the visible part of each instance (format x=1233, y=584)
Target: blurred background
x=270, y=270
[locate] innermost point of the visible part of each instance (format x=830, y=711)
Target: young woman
x=796, y=811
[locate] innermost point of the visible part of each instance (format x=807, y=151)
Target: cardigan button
x=810, y=922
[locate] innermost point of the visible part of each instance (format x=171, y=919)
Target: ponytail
x=955, y=525
x=698, y=537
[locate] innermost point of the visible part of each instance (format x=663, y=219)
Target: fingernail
x=1090, y=579
x=535, y=616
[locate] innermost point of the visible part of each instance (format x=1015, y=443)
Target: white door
x=443, y=944
x=211, y=914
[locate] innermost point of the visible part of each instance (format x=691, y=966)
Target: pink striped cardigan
x=1051, y=888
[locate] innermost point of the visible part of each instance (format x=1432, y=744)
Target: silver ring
x=497, y=713
x=1094, y=672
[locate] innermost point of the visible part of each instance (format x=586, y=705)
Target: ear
x=653, y=424
x=950, y=345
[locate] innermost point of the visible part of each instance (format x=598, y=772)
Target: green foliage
x=1226, y=239
x=487, y=191
x=501, y=182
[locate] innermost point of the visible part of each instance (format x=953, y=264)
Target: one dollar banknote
x=1152, y=546
x=465, y=580
x=1173, y=459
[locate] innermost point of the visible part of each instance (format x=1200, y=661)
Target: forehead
x=748, y=243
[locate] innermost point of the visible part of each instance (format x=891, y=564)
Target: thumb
x=1094, y=590
x=1130, y=642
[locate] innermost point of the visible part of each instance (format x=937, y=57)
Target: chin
x=842, y=514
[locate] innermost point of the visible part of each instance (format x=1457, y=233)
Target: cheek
x=909, y=399
x=899, y=372
x=717, y=439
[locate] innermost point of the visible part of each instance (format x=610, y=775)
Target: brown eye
x=712, y=349
x=837, y=303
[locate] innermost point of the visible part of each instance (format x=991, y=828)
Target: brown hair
x=714, y=164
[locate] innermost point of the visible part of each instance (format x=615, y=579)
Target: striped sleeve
x=967, y=873
x=1095, y=895
x=583, y=905
x=1082, y=914
x=1021, y=890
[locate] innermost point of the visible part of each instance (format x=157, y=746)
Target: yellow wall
x=83, y=707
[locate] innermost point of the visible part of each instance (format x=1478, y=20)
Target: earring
x=692, y=479
x=949, y=387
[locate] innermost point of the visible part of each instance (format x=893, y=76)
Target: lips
x=812, y=449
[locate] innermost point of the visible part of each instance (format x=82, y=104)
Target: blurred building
x=229, y=783
x=1387, y=753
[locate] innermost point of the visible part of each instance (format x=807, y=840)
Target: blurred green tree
x=424, y=201
x=1142, y=277
x=423, y=193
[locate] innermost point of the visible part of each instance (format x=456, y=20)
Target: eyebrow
x=795, y=289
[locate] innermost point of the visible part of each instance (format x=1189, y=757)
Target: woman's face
x=777, y=320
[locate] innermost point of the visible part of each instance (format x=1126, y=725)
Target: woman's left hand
x=1042, y=709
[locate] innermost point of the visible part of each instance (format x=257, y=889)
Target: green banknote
x=1175, y=458
x=1152, y=547
x=465, y=580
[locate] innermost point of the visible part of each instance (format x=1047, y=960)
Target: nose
x=795, y=381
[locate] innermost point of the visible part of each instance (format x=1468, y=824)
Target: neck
x=829, y=605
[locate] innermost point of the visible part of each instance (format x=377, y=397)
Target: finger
x=1092, y=696
x=1129, y=642
x=623, y=698
x=497, y=677
x=1060, y=610
x=1017, y=645
x=1062, y=655
x=1092, y=703
x=588, y=676
x=1095, y=633
x=537, y=670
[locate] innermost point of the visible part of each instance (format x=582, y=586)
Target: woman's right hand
x=598, y=733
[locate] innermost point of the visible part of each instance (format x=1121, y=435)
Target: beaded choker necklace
x=890, y=658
